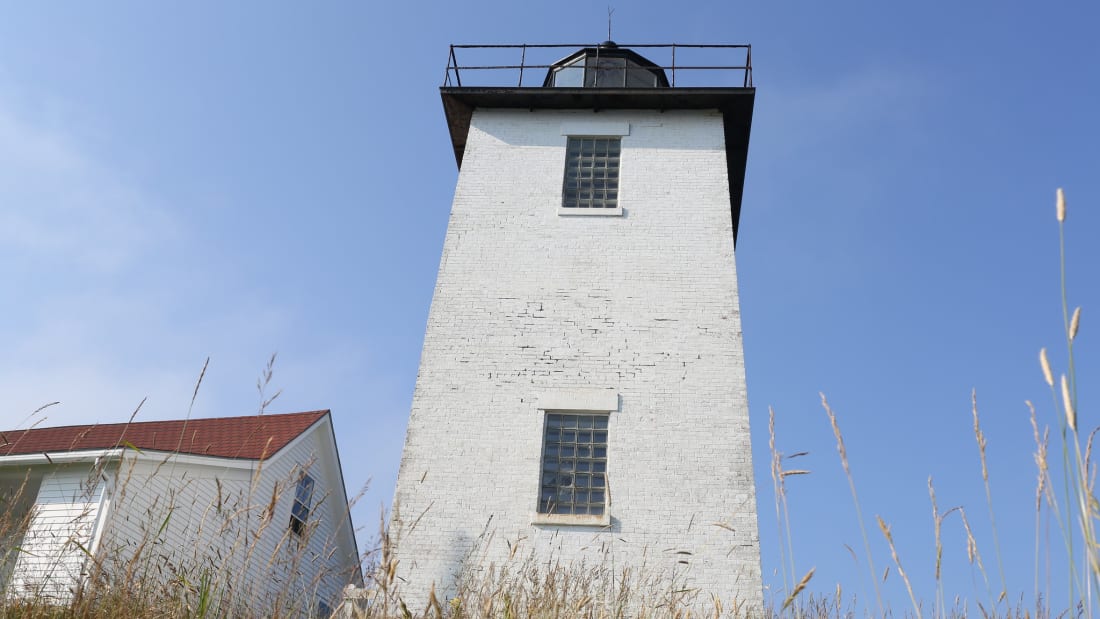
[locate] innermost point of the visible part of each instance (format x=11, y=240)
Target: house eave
x=93, y=455
x=60, y=457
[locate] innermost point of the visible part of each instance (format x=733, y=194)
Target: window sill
x=591, y=212
x=572, y=520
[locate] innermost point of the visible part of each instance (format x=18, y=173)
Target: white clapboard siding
x=233, y=523
x=55, y=548
x=315, y=569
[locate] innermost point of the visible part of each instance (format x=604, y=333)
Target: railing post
x=674, y=65
x=447, y=77
x=522, y=61
x=458, y=78
x=748, y=66
x=596, y=74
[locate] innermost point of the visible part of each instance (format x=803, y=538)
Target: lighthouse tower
x=581, y=399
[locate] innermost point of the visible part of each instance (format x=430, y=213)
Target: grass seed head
x=1074, y=323
x=798, y=588
x=1040, y=457
x=979, y=435
x=1045, y=364
x=839, y=437
x=1071, y=415
x=1060, y=202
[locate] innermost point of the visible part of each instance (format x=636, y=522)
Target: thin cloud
x=60, y=206
x=854, y=106
x=107, y=298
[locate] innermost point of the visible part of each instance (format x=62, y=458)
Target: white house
x=581, y=399
x=253, y=509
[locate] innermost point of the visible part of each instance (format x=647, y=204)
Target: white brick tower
x=581, y=397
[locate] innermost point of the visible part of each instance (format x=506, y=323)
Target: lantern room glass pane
x=606, y=72
x=639, y=77
x=606, y=67
x=570, y=76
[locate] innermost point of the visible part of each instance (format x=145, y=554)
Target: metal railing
x=496, y=65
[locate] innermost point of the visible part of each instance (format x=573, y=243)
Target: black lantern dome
x=605, y=66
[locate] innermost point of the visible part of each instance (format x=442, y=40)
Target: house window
x=303, y=499
x=574, y=465
x=591, y=173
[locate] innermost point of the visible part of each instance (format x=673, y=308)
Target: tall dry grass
x=520, y=590
x=206, y=545
x=1072, y=503
x=238, y=560
x=540, y=587
x=525, y=587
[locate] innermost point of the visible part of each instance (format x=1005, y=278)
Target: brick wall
x=530, y=303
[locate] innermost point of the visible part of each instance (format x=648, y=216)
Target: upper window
x=574, y=465
x=591, y=173
x=303, y=501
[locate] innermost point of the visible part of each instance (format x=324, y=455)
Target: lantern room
x=605, y=66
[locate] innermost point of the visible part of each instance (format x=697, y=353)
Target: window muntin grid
x=591, y=172
x=574, y=465
x=303, y=499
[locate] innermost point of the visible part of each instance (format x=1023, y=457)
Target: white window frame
x=583, y=402
x=594, y=129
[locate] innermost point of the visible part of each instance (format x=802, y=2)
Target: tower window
x=591, y=173
x=574, y=465
x=303, y=500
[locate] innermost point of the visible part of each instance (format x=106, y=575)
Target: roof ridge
x=251, y=437
x=134, y=423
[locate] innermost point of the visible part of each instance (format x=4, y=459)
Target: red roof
x=250, y=438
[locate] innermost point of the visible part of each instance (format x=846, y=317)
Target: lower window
x=574, y=465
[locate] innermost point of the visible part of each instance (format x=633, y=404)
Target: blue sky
x=203, y=179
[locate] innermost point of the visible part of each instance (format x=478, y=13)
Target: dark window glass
x=600, y=70
x=591, y=173
x=574, y=464
x=606, y=72
x=303, y=500
x=641, y=78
